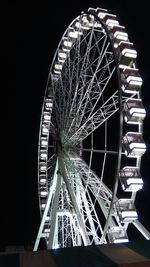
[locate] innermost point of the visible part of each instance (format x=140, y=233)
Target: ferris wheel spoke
x=83, y=62
x=98, y=118
x=86, y=205
x=93, y=183
x=93, y=98
x=98, y=60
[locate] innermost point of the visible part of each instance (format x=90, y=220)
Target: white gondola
x=126, y=210
x=130, y=179
x=134, y=111
x=133, y=144
x=117, y=235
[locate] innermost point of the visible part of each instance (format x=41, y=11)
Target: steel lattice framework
x=90, y=139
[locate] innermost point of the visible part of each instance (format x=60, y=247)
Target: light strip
x=133, y=78
x=129, y=213
x=121, y=35
x=73, y=35
x=58, y=66
x=68, y=44
x=129, y=53
x=138, y=111
x=136, y=145
x=134, y=181
x=121, y=240
x=112, y=22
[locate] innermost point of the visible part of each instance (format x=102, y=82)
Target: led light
x=58, y=66
x=48, y=105
x=129, y=213
x=122, y=66
x=43, y=206
x=85, y=24
x=129, y=53
x=43, y=193
x=128, y=89
x=42, y=167
x=111, y=22
x=137, y=111
x=130, y=179
x=57, y=72
x=121, y=35
x=62, y=55
x=43, y=181
x=73, y=35
x=135, y=145
x=68, y=44
x=44, y=143
x=44, y=130
x=101, y=15
x=47, y=117
x=126, y=210
x=47, y=230
x=43, y=155
x=121, y=240
x=134, y=181
x=134, y=79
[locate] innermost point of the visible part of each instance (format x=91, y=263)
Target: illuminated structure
x=93, y=91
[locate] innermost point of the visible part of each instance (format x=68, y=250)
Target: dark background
x=31, y=35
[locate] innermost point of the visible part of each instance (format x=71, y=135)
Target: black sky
x=31, y=36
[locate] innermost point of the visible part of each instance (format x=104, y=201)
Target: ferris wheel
x=90, y=138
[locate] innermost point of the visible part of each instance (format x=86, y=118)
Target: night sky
x=31, y=36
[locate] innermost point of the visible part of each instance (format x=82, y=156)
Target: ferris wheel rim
x=120, y=111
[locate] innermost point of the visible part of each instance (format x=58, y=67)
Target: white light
x=134, y=181
x=68, y=44
x=74, y=34
x=136, y=146
x=47, y=117
x=57, y=72
x=48, y=105
x=124, y=88
x=101, y=15
x=122, y=66
x=43, y=181
x=138, y=83
x=126, y=118
x=137, y=112
x=80, y=26
x=43, y=193
x=121, y=240
x=134, y=78
x=85, y=25
x=43, y=206
x=47, y=230
x=112, y=22
x=129, y=214
x=45, y=130
x=61, y=60
x=43, y=167
x=121, y=35
x=139, y=149
x=129, y=53
x=58, y=66
x=43, y=155
x=62, y=55
x=44, y=143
